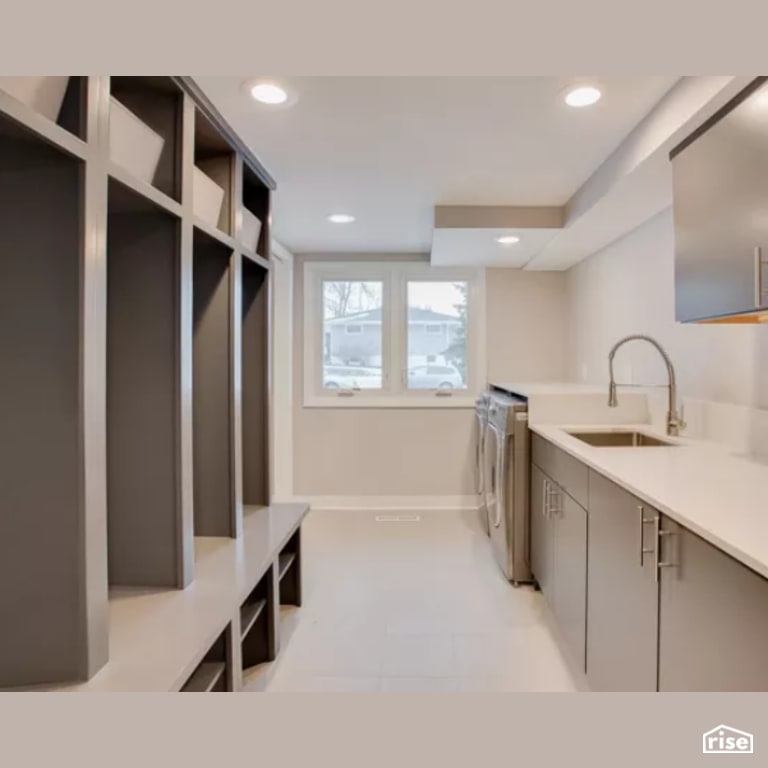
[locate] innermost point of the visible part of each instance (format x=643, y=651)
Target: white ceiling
x=388, y=149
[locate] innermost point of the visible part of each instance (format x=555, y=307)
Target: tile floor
x=411, y=606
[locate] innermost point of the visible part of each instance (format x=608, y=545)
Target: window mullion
x=395, y=332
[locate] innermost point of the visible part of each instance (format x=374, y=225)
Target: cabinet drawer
x=569, y=473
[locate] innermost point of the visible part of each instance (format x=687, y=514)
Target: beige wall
x=629, y=288
x=526, y=314
x=424, y=452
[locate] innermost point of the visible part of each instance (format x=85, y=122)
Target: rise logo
x=724, y=740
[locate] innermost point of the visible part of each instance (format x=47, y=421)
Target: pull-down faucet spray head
x=613, y=401
x=674, y=419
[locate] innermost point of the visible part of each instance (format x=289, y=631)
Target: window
x=352, y=363
x=433, y=306
x=396, y=334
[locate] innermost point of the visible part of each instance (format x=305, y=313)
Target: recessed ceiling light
x=508, y=239
x=341, y=218
x=269, y=93
x=583, y=96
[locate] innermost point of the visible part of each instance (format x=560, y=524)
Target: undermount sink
x=620, y=439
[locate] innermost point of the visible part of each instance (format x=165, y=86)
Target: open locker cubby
x=258, y=617
x=143, y=461
x=256, y=199
x=289, y=571
x=41, y=458
x=216, y=159
x=41, y=95
x=157, y=102
x=212, y=441
x=214, y=673
x=74, y=108
x=255, y=383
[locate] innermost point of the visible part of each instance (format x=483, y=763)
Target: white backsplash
x=741, y=429
x=587, y=408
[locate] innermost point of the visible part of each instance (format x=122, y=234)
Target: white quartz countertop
x=719, y=496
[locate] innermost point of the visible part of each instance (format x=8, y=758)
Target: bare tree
x=337, y=295
x=347, y=297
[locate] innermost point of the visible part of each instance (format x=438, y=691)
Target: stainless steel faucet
x=674, y=419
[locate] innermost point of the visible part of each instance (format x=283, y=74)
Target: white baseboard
x=386, y=503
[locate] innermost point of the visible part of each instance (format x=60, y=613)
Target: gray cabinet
x=570, y=571
x=642, y=602
x=622, y=599
x=542, y=533
x=719, y=176
x=713, y=618
x=559, y=542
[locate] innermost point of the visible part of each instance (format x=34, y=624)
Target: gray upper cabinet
x=720, y=177
x=713, y=618
x=622, y=604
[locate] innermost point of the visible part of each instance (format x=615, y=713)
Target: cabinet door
x=569, y=563
x=713, y=618
x=622, y=600
x=541, y=532
x=718, y=179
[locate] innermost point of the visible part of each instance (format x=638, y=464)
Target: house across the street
x=356, y=339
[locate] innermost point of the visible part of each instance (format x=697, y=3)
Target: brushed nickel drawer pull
x=643, y=522
x=659, y=533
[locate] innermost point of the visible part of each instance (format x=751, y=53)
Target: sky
x=440, y=297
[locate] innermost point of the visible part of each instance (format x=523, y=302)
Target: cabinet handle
x=643, y=522
x=545, y=504
x=760, y=292
x=554, y=497
x=659, y=533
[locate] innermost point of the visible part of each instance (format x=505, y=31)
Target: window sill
x=361, y=401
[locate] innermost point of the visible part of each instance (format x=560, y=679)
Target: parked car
x=346, y=377
x=435, y=377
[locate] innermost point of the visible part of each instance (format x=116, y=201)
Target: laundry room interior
x=382, y=384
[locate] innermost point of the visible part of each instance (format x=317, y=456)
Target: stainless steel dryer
x=506, y=452
x=481, y=421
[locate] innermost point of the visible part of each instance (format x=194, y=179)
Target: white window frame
x=394, y=277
